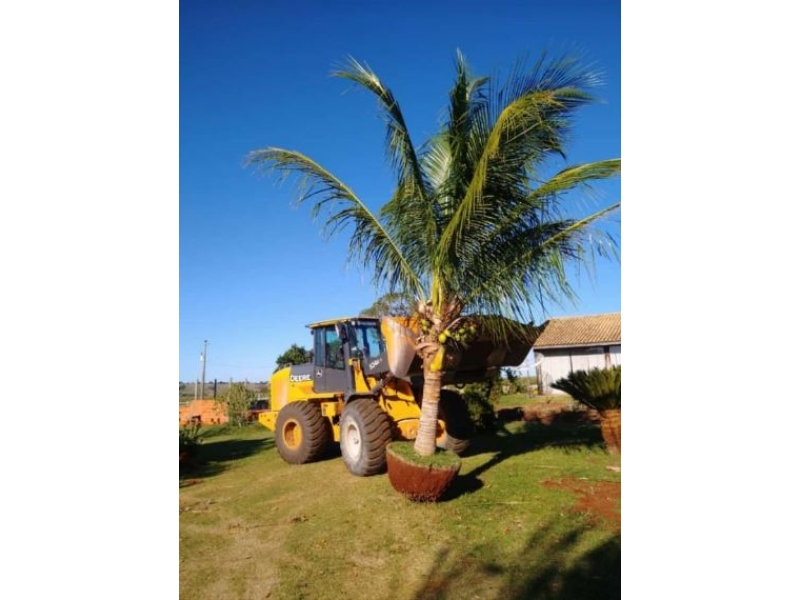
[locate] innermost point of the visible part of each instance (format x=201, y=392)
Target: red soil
x=600, y=500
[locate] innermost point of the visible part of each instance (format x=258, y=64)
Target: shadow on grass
x=531, y=436
x=212, y=457
x=548, y=568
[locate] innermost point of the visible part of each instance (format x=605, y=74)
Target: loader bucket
x=463, y=362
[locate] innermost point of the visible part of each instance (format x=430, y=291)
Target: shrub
x=189, y=439
x=237, y=400
x=513, y=381
x=480, y=399
x=600, y=389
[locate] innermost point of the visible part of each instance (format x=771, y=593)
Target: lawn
x=522, y=399
x=534, y=513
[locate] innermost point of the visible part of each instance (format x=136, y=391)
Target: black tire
x=365, y=430
x=302, y=434
x=457, y=423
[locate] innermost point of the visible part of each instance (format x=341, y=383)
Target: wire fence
x=213, y=389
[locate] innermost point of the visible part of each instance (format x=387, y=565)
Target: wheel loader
x=363, y=389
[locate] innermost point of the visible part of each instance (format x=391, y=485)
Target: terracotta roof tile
x=581, y=331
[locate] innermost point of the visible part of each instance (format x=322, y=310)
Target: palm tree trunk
x=425, y=444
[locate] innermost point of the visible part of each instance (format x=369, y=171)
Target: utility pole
x=203, y=360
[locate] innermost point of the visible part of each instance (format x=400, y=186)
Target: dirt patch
x=600, y=500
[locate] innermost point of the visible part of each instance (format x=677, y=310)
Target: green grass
x=440, y=458
x=523, y=400
x=252, y=526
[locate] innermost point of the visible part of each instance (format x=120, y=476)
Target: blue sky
x=254, y=270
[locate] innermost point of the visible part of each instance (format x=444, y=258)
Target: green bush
x=600, y=389
x=189, y=439
x=513, y=382
x=480, y=399
x=237, y=400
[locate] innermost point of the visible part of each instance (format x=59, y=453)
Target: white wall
x=560, y=363
x=616, y=355
x=553, y=365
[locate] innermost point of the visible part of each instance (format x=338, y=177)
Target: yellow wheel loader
x=363, y=388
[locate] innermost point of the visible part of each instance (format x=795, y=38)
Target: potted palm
x=420, y=478
x=600, y=390
x=473, y=226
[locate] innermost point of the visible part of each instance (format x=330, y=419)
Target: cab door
x=330, y=374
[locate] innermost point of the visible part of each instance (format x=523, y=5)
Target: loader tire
x=365, y=430
x=302, y=434
x=457, y=423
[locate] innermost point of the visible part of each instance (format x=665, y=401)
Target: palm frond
x=527, y=264
x=466, y=103
x=576, y=176
x=370, y=242
x=413, y=202
x=399, y=148
x=517, y=221
x=536, y=113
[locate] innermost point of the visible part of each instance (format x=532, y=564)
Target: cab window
x=328, y=348
x=367, y=338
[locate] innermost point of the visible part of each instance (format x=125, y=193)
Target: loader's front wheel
x=365, y=430
x=302, y=434
x=458, y=427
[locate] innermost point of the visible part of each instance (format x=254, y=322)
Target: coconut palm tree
x=475, y=224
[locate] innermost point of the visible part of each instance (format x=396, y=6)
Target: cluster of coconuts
x=462, y=332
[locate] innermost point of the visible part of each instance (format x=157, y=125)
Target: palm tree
x=473, y=227
x=600, y=390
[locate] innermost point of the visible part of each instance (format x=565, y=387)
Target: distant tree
x=295, y=355
x=513, y=380
x=390, y=305
x=237, y=400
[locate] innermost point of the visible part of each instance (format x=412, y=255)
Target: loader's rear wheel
x=302, y=434
x=457, y=423
x=365, y=430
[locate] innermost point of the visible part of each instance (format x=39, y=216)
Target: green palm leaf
x=414, y=189
x=370, y=243
x=600, y=389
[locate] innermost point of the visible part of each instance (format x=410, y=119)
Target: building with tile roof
x=568, y=344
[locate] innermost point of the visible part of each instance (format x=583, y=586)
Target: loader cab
x=336, y=342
